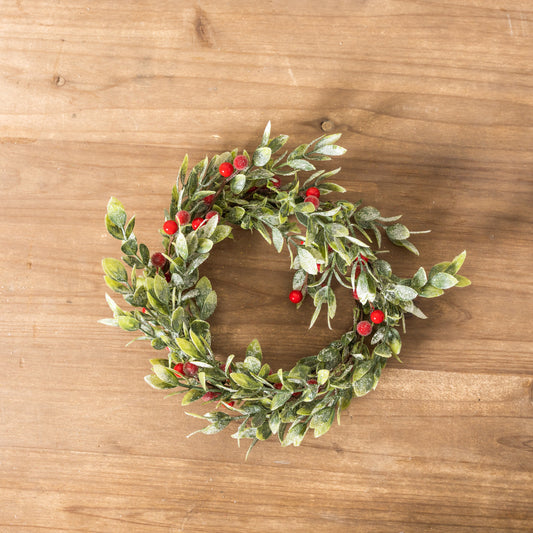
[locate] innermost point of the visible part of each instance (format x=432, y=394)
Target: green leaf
x=419, y=279
x=204, y=246
x=238, y=182
x=207, y=229
x=156, y=383
x=331, y=187
x=295, y=435
x=145, y=253
x=116, y=212
x=278, y=142
x=330, y=149
x=328, y=139
x=274, y=422
x=128, y=323
x=337, y=230
x=114, y=269
x=209, y=305
x=188, y=348
x=181, y=246
x=254, y=350
x=332, y=303
x=116, y=286
x=462, y=281
x=407, y=245
x=109, y=322
x=178, y=317
x=394, y=341
x=322, y=376
x=252, y=364
x=366, y=289
x=321, y=421
x=262, y=156
x=162, y=292
x=264, y=431
x=113, y=229
x=277, y=239
x=443, y=280
x=220, y=233
x=183, y=170
x=405, y=293
x=218, y=425
x=301, y=164
x=245, y=381
x=429, y=291
x=383, y=350
x=191, y=396
x=280, y=399
x=397, y=232
x=197, y=341
x=361, y=369
x=307, y=261
x=165, y=374
x=266, y=134
x=363, y=385
x=439, y=267
x=298, y=280
x=457, y=263
x=367, y=214
x=129, y=247
x=130, y=226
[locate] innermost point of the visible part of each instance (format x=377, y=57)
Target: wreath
x=330, y=244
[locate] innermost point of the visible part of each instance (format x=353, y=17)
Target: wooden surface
x=101, y=98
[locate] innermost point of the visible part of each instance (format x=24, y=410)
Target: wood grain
x=435, y=104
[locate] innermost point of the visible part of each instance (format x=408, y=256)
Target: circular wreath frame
x=330, y=245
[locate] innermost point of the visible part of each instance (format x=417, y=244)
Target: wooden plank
x=435, y=104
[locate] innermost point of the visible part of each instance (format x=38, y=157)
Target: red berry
x=313, y=200
x=208, y=199
x=226, y=169
x=158, y=260
x=302, y=242
x=143, y=310
x=197, y=222
x=355, y=294
x=312, y=191
x=211, y=214
x=318, y=267
x=210, y=395
x=168, y=276
x=295, y=296
x=240, y=162
x=183, y=217
x=178, y=370
x=230, y=404
x=170, y=227
x=364, y=328
x=278, y=385
x=377, y=316
x=276, y=182
x=190, y=369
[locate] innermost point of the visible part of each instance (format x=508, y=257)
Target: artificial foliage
x=332, y=245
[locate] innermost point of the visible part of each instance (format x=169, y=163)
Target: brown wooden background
x=101, y=98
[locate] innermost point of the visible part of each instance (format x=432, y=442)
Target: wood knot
x=59, y=80
x=203, y=29
x=326, y=126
